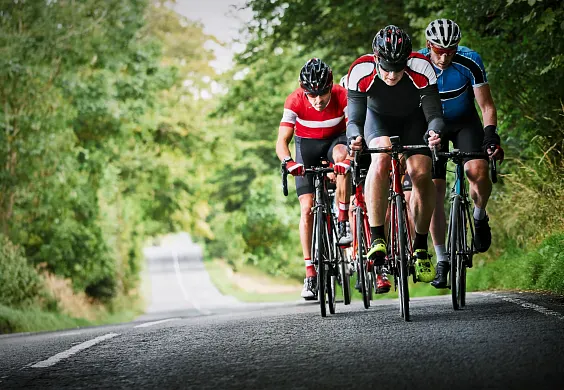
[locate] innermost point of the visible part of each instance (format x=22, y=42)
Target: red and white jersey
x=363, y=72
x=310, y=123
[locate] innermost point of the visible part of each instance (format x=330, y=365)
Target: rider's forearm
x=356, y=106
x=432, y=108
x=285, y=135
x=489, y=115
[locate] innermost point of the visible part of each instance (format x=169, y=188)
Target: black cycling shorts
x=410, y=129
x=310, y=151
x=466, y=134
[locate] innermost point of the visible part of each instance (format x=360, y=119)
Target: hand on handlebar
x=433, y=139
x=355, y=144
x=496, y=153
x=294, y=168
x=343, y=167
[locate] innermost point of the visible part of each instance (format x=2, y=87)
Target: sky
x=219, y=19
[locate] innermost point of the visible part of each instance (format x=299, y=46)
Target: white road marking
x=147, y=324
x=179, y=280
x=68, y=334
x=69, y=352
x=528, y=305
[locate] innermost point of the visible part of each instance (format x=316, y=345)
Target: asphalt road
x=500, y=341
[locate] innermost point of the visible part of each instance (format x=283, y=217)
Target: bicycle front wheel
x=402, y=236
x=360, y=257
x=319, y=253
x=455, y=255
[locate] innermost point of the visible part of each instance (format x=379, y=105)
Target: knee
x=478, y=174
x=380, y=166
x=306, y=206
x=339, y=153
x=420, y=177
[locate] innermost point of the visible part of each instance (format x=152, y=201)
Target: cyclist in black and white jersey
x=393, y=92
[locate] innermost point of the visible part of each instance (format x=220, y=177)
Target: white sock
x=479, y=213
x=440, y=250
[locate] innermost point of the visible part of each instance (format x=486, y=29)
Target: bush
x=19, y=282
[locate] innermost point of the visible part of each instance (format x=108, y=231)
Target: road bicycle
x=328, y=257
x=400, y=261
x=361, y=228
x=460, y=245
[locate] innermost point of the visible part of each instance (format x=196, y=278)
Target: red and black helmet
x=316, y=77
x=393, y=46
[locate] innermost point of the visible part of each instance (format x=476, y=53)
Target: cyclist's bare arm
x=285, y=134
x=485, y=102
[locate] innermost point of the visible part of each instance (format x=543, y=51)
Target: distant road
x=177, y=283
x=501, y=341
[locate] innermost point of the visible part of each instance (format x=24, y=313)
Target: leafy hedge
x=20, y=284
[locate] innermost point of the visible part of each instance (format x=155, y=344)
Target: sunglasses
x=388, y=68
x=440, y=51
x=320, y=93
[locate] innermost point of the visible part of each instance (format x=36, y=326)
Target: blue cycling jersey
x=456, y=82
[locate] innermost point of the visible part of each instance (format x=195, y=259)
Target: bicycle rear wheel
x=402, y=236
x=344, y=269
x=331, y=293
x=360, y=256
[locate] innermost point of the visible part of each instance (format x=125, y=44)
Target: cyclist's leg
x=377, y=131
x=423, y=194
x=470, y=139
x=338, y=152
x=438, y=221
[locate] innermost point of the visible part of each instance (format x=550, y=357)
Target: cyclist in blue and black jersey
x=461, y=80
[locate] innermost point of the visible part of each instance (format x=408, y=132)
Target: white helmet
x=443, y=33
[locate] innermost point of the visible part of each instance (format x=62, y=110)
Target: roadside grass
x=250, y=284
x=36, y=319
x=538, y=269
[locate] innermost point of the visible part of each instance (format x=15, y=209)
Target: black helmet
x=316, y=77
x=392, y=45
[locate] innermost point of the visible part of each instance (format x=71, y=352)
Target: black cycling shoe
x=483, y=237
x=441, y=277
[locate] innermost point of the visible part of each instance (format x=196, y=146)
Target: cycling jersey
x=310, y=123
x=457, y=80
x=417, y=88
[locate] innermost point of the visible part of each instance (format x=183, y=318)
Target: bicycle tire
x=319, y=253
x=402, y=236
x=331, y=293
x=345, y=276
x=454, y=252
x=462, y=260
x=371, y=284
x=361, y=250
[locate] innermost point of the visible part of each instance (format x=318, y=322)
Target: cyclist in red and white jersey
x=393, y=92
x=315, y=113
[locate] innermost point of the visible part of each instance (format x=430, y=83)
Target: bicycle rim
x=462, y=262
x=331, y=281
x=454, y=252
x=345, y=276
x=319, y=254
x=402, y=236
x=361, y=251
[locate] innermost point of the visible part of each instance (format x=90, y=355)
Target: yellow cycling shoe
x=377, y=251
x=424, y=268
